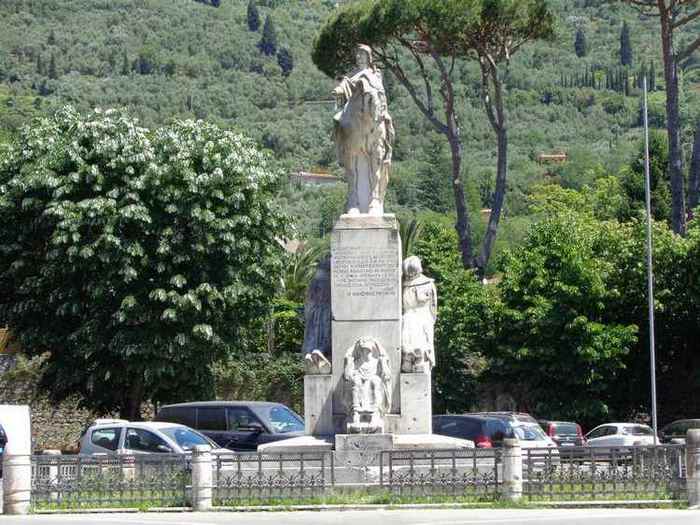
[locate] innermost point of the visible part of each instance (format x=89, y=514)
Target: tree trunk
x=462, y=225
x=694, y=175
x=673, y=125
x=133, y=399
x=498, y=200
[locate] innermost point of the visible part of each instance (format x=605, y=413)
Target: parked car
x=128, y=437
x=513, y=417
x=236, y=425
x=563, y=433
x=676, y=431
x=620, y=435
x=485, y=432
x=3, y=442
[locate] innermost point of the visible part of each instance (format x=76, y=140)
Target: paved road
x=380, y=517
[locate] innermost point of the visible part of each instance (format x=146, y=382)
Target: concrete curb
x=369, y=507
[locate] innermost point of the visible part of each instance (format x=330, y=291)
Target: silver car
x=126, y=437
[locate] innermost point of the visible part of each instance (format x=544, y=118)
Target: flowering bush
x=132, y=255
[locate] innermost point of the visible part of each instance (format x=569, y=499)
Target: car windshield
x=637, y=430
x=529, y=433
x=186, y=438
x=283, y=420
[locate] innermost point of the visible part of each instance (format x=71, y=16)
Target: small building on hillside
x=552, y=158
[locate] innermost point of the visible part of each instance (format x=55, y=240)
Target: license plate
x=567, y=444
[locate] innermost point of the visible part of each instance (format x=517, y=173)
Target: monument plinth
x=365, y=301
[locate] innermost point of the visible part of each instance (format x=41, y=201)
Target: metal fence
x=468, y=473
x=110, y=481
x=245, y=479
x=602, y=473
x=165, y=480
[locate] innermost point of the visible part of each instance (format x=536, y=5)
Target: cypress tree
x=125, y=63
x=52, y=38
x=53, y=73
x=580, y=44
x=652, y=78
x=268, y=42
x=625, y=46
x=40, y=65
x=285, y=61
x=253, y=16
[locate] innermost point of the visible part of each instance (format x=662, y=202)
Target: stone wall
x=54, y=426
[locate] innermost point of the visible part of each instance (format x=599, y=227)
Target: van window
x=240, y=419
x=182, y=415
x=211, y=418
x=106, y=438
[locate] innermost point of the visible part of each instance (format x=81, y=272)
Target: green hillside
x=185, y=59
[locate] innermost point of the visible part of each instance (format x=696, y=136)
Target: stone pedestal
x=365, y=297
x=416, y=402
x=318, y=405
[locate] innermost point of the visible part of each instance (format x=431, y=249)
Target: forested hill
x=167, y=59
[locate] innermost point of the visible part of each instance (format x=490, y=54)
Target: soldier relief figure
x=419, y=315
x=364, y=135
x=368, y=376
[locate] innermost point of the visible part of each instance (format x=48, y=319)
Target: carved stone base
x=318, y=405
x=416, y=404
x=366, y=423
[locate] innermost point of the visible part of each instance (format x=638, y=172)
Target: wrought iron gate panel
x=241, y=479
x=606, y=473
x=451, y=473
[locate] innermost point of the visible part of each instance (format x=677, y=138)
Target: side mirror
x=164, y=448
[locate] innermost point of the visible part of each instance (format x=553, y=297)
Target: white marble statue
x=364, y=135
x=368, y=376
x=419, y=314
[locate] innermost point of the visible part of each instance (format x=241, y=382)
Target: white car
x=126, y=437
x=620, y=435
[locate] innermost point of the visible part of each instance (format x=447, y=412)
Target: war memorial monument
x=369, y=315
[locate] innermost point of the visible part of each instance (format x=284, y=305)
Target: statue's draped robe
x=364, y=134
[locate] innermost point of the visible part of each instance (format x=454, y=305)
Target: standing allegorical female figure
x=419, y=315
x=364, y=135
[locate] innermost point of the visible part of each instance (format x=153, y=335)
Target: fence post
x=202, y=478
x=16, y=483
x=692, y=443
x=512, y=487
x=52, y=473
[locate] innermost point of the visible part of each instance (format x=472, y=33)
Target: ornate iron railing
x=468, y=473
x=119, y=481
x=245, y=479
x=571, y=473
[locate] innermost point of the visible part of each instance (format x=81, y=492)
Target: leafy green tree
x=268, y=42
x=253, y=16
x=581, y=44
x=466, y=321
x=285, y=61
x=633, y=181
x=134, y=257
x=555, y=330
x=625, y=45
